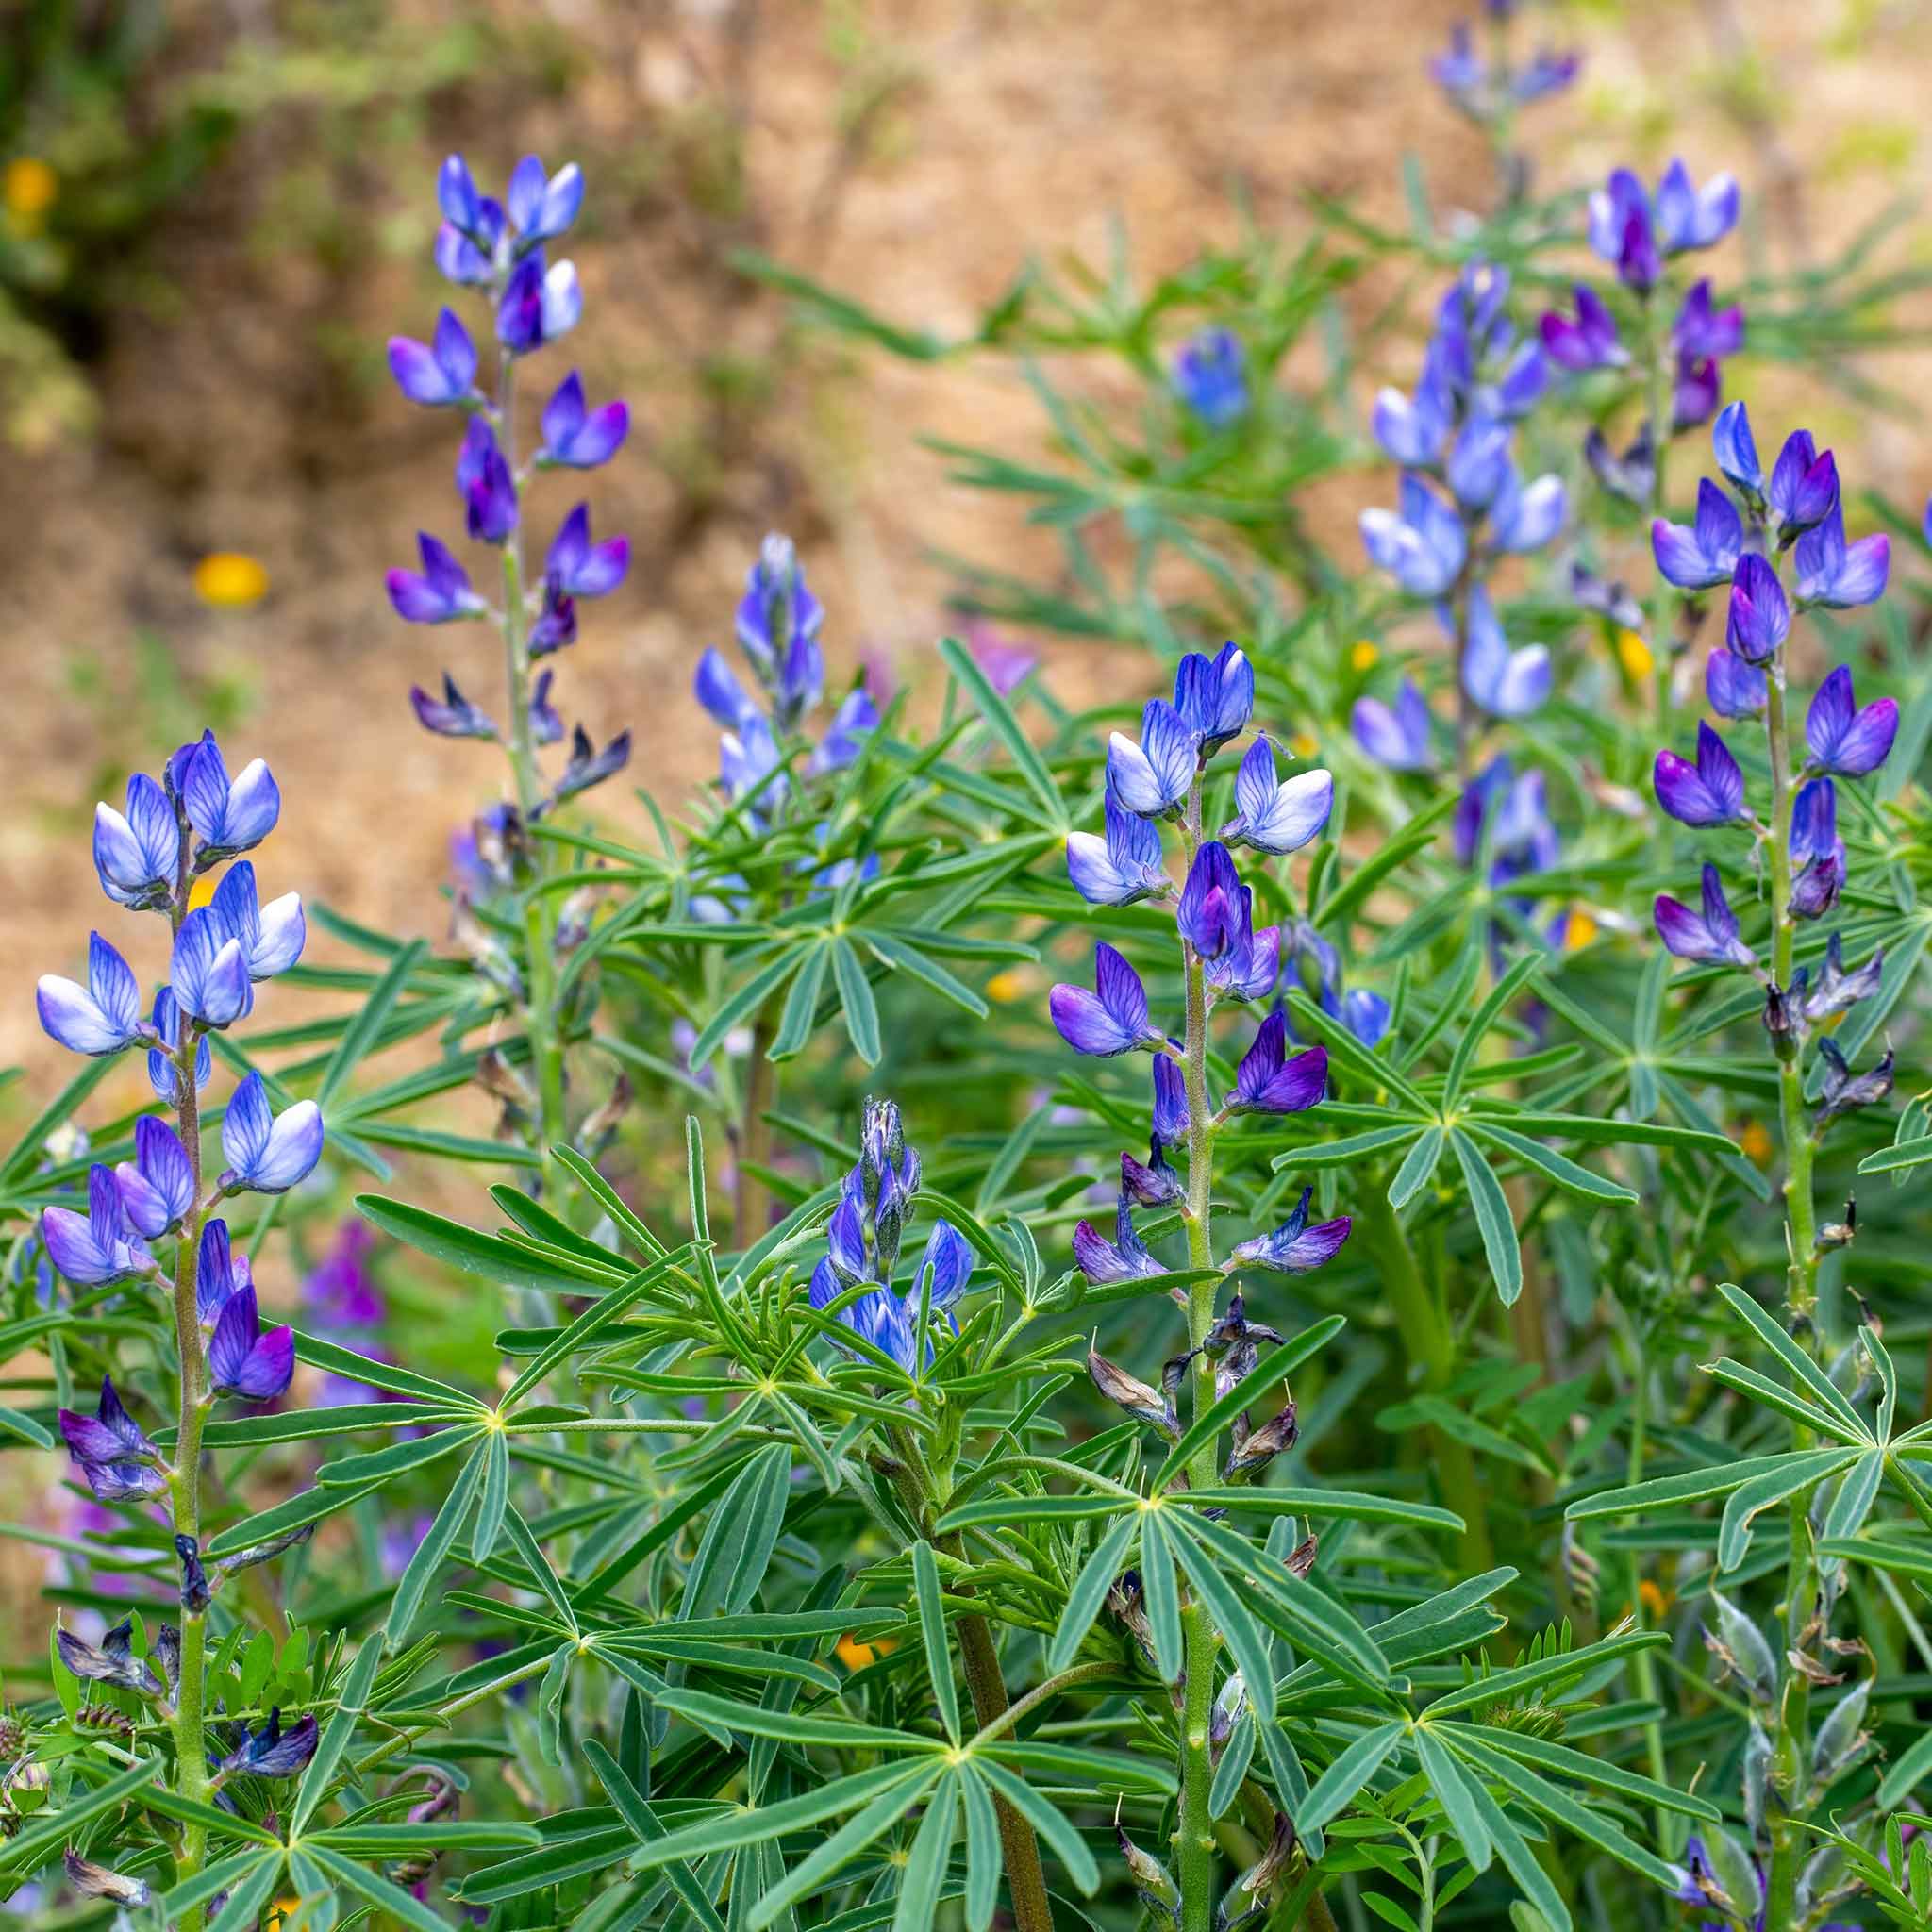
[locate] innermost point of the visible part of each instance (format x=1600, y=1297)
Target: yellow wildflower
x=231, y=580
x=1363, y=656
x=1634, y=654
x=1006, y=987
x=29, y=188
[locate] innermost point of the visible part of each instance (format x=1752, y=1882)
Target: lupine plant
x=1328, y=1327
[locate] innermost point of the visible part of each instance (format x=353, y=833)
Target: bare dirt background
x=910, y=151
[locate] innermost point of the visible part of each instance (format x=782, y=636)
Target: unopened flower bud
x=1158, y=1891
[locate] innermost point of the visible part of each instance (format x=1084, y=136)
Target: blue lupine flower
x=1698, y=556
x=1112, y=1020
x=1413, y=431
x=1815, y=888
x=1710, y=793
x=1216, y=916
x=1422, y=545
x=1735, y=688
x=1705, y=332
x=1526, y=516
x=441, y=593
x=486, y=486
x=137, y=852
x=1478, y=462
x=157, y=1186
x=113, y=1454
x=97, y=1247
x=1295, y=1248
x=164, y=1076
x=1210, y=376
x=1123, y=1259
x=462, y=207
x=1504, y=682
x=1365, y=1013
x=718, y=690
x=1274, y=817
x=1588, y=342
x=1153, y=1182
x=441, y=372
x=1711, y=937
x=1632, y=476
x=1842, y=737
x=1815, y=823
x=777, y=608
x=1688, y=217
x=1620, y=230
x=1760, y=618
x=242, y=1360
x=747, y=762
x=452, y=715
x=579, y=568
x=1271, y=1080
x=1840, y=576
x=1503, y=812
x=1736, y=451
x=577, y=438
x=1694, y=392
x=1804, y=487
x=271, y=935
x=1484, y=94
x=274, y=1752
x=855, y=718
x=1544, y=73
x=588, y=766
x=1153, y=776
x=1396, y=736
x=1122, y=867
x=219, y=1272
x=1169, y=1101
x=268, y=1152
x=541, y=206
x=209, y=970
x=230, y=815
x=1215, y=698
x=546, y=720
x=101, y=1017
x=537, y=303
x=556, y=625
x=1608, y=598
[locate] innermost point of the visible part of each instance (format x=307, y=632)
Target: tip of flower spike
x=230, y=580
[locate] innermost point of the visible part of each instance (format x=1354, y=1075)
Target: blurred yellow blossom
x=29, y=188
x=231, y=580
x=1363, y=656
x=1634, y=654
x=1756, y=1141
x=1579, y=928
x=1006, y=987
x=1303, y=745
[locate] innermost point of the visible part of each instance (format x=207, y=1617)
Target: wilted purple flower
x=1413, y=432
x=267, y=1152
x=1694, y=394
x=1421, y=544
x=114, y=1662
x=441, y=593
x=1145, y=1404
x=1736, y=451
x=1814, y=824
x=1804, y=487
x=546, y=720
x=1123, y=1259
x=1526, y=516
x=1504, y=682
x=1631, y=476
x=1735, y=688
x=137, y=852
x=1152, y=1183
x=1396, y=736
x=95, y=1248
x=589, y=766
x=1006, y=666
x=241, y=1359
x=1210, y=376
x=1710, y=793
x=1688, y=217
x=98, y=1881
x=209, y=970
x=1760, y=618
x=1112, y=1020
x=1609, y=599
x=1588, y=342
x=111, y=1450
x=1271, y=1080
x=1842, y=738
x=1702, y=331
x=273, y=1752
x=538, y=305
x=557, y=621
x=1119, y=867
x=157, y=1186
x=1838, y=991
x=580, y=439
x=1153, y=776
x=1837, y=575
x=1295, y=1248
x=1273, y=816
x=271, y=936
x=1843, y=1089
x=440, y=372
x=1214, y=696
x=161, y=1071
x=486, y=486
x=541, y=206
x=101, y=1017
x=453, y=715
x=1544, y=74
x=579, y=568
x=1711, y=937
x=1697, y=555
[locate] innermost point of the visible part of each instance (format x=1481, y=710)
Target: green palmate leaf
x=1339, y=1785
x=396, y=1458
x=1418, y=1169
x=926, y=1866
x=26, y=1427
x=738, y=1542
x=1690, y=1486
x=891, y=950
x=1281, y=1364
x=1498, y=1686
x=864, y=1828
x=309, y=1506
x=1066, y=1843
x=1075, y=1508
x=1349, y=1151
x=593, y=1321
x=1246, y=1641
x=932, y=1630
x=1356, y=1505
x=1492, y=1217
x=982, y=1851
x=1565, y=1173
x=1762, y=1389
x=224, y=1874
x=855, y=997
x=29, y=1150
x=622, y=1214
x=1595, y=1771
x=309, y=1425
x=736, y=1827
x=1161, y=1595
x=637, y=1813
x=492, y=1499
x=1607, y=1133
x=1106, y=1562
x=25, y=1851
x=336, y=1360
x=1750, y=1499
x=249, y=1896
x=800, y=1014
x=1904, y=1155
x=1519, y=1860
x=1450, y=1783
x=1346, y=1051
x=1341, y=904
x=1801, y=1367
x=742, y=1005
x=999, y=715
x=1512, y=982
x=384, y=1893
x=434, y=1547
x=487, y=1256
x=791, y=1726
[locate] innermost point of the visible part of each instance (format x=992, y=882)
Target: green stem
x=1661, y=404
x=752, y=1200
x=547, y=1052
x=1643, y=1668
x=1430, y=1345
